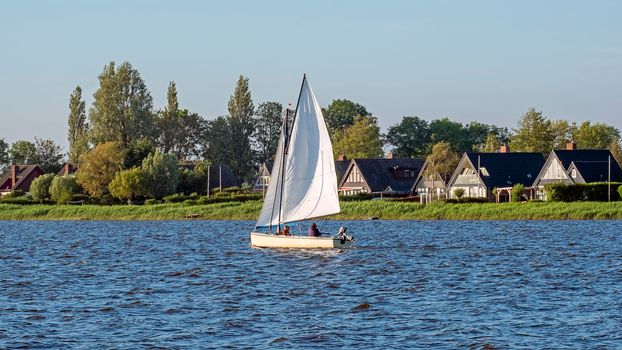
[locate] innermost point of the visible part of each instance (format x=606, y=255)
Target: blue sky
x=486, y=61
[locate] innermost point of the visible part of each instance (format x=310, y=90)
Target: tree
x=517, y=192
x=493, y=144
x=454, y=133
x=616, y=150
x=533, y=134
x=48, y=155
x=23, y=152
x=40, y=187
x=217, y=140
x=167, y=120
x=410, y=138
x=128, y=184
x=121, y=111
x=77, y=134
x=136, y=152
x=360, y=140
x=4, y=155
x=268, y=127
x=63, y=188
x=595, y=136
x=562, y=133
x=340, y=114
x=99, y=166
x=442, y=161
x=241, y=111
x=161, y=174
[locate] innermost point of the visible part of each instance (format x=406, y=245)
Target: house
x=341, y=165
x=19, y=177
x=430, y=184
x=263, y=177
x=478, y=174
x=388, y=176
x=68, y=169
x=573, y=165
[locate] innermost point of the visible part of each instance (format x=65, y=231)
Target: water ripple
x=407, y=284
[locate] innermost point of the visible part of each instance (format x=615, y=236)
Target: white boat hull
x=265, y=240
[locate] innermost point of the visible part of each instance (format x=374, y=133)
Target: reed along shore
x=362, y=210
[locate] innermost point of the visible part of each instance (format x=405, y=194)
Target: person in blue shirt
x=313, y=231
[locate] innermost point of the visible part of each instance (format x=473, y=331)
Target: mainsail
x=303, y=184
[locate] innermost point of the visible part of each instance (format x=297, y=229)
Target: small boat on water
x=304, y=182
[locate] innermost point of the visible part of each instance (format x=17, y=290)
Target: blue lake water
x=406, y=284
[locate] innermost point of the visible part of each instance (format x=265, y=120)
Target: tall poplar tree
x=241, y=112
x=168, y=120
x=78, y=127
x=121, y=111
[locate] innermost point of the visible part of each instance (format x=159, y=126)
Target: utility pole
x=208, y=169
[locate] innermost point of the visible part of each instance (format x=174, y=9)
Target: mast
x=282, y=170
x=286, y=143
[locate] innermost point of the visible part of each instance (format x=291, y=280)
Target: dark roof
x=340, y=168
x=508, y=169
x=23, y=171
x=568, y=156
x=228, y=180
x=598, y=171
x=379, y=174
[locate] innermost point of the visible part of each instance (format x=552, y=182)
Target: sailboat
x=303, y=184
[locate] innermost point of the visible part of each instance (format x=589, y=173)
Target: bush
x=14, y=194
x=128, y=184
x=231, y=189
x=161, y=174
x=7, y=199
x=620, y=191
x=517, y=192
x=175, y=198
x=63, y=188
x=473, y=200
x=581, y=192
x=357, y=197
x=40, y=187
x=450, y=200
x=152, y=201
x=459, y=192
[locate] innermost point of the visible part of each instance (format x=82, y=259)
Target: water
x=198, y=284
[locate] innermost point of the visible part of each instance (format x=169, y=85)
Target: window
x=484, y=171
x=573, y=173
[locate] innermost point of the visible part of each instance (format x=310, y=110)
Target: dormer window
x=573, y=173
x=484, y=171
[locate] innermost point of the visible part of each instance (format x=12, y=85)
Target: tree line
x=121, y=131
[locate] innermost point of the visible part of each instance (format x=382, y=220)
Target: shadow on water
x=405, y=284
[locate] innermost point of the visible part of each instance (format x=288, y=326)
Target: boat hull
x=265, y=240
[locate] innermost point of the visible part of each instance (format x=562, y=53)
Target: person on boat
x=314, y=231
x=286, y=231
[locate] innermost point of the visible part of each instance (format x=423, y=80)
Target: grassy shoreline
x=386, y=210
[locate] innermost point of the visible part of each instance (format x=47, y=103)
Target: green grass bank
x=388, y=210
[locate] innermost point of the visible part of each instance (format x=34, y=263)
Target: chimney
x=390, y=155
x=571, y=146
x=66, y=173
x=14, y=171
x=504, y=149
x=342, y=157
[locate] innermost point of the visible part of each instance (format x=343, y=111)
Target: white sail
x=271, y=203
x=310, y=181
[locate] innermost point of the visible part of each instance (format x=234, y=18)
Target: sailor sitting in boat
x=314, y=231
x=285, y=231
